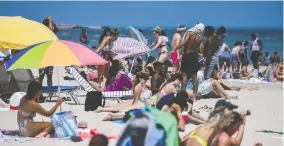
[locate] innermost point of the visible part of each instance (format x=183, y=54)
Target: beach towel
x=128, y=47
x=64, y=124
x=168, y=122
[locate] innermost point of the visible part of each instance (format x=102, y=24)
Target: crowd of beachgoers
x=189, y=68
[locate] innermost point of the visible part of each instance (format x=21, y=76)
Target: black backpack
x=94, y=100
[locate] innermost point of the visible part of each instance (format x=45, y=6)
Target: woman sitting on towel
x=160, y=44
x=168, y=87
x=118, y=80
x=212, y=88
x=141, y=94
x=274, y=72
x=28, y=108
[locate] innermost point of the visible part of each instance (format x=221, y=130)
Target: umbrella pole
x=132, y=64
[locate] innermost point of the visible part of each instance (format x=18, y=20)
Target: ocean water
x=272, y=38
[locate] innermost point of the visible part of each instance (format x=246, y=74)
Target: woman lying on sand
x=27, y=111
x=138, y=101
x=212, y=88
x=174, y=105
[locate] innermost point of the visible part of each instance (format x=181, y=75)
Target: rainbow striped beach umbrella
x=54, y=53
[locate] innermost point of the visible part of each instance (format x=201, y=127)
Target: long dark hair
x=150, y=69
x=105, y=32
x=33, y=88
x=113, y=70
x=150, y=59
x=181, y=99
x=114, y=32
x=173, y=78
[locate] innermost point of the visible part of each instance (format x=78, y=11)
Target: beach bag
x=64, y=124
x=94, y=100
x=226, y=55
x=141, y=130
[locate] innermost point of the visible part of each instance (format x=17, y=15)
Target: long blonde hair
x=226, y=121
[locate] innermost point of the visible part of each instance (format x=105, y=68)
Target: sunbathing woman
x=160, y=44
x=175, y=107
x=274, y=73
x=211, y=88
x=168, y=87
x=141, y=94
x=208, y=133
x=28, y=108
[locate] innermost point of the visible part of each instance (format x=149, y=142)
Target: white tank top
x=242, y=51
x=267, y=59
x=234, y=50
x=255, y=46
x=221, y=49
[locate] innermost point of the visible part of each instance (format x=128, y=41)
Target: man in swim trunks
x=256, y=48
x=159, y=77
x=177, y=39
x=189, y=62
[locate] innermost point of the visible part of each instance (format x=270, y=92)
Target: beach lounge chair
x=108, y=94
x=20, y=79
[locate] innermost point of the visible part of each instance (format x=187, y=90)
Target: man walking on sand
x=177, y=39
x=189, y=61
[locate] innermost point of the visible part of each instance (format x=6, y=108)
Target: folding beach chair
x=20, y=79
x=118, y=95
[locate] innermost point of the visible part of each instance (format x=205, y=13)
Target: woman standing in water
x=160, y=44
x=83, y=38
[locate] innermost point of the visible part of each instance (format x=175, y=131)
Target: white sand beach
x=265, y=104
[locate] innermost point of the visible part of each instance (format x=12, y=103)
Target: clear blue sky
x=231, y=14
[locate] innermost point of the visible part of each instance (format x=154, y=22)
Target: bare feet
x=107, y=118
x=98, y=110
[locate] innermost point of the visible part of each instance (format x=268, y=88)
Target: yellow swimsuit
x=198, y=138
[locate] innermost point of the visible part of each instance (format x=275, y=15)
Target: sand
x=265, y=104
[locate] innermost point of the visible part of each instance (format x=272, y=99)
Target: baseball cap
x=225, y=103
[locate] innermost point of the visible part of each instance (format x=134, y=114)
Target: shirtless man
x=159, y=77
x=209, y=48
x=177, y=39
x=189, y=62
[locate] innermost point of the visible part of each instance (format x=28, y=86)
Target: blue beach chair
x=19, y=79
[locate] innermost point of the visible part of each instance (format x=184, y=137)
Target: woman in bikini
x=208, y=133
x=168, y=87
x=28, y=109
x=105, y=41
x=160, y=44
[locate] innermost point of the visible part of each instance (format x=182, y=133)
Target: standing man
x=209, y=49
x=48, y=70
x=177, y=39
x=256, y=48
x=189, y=62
